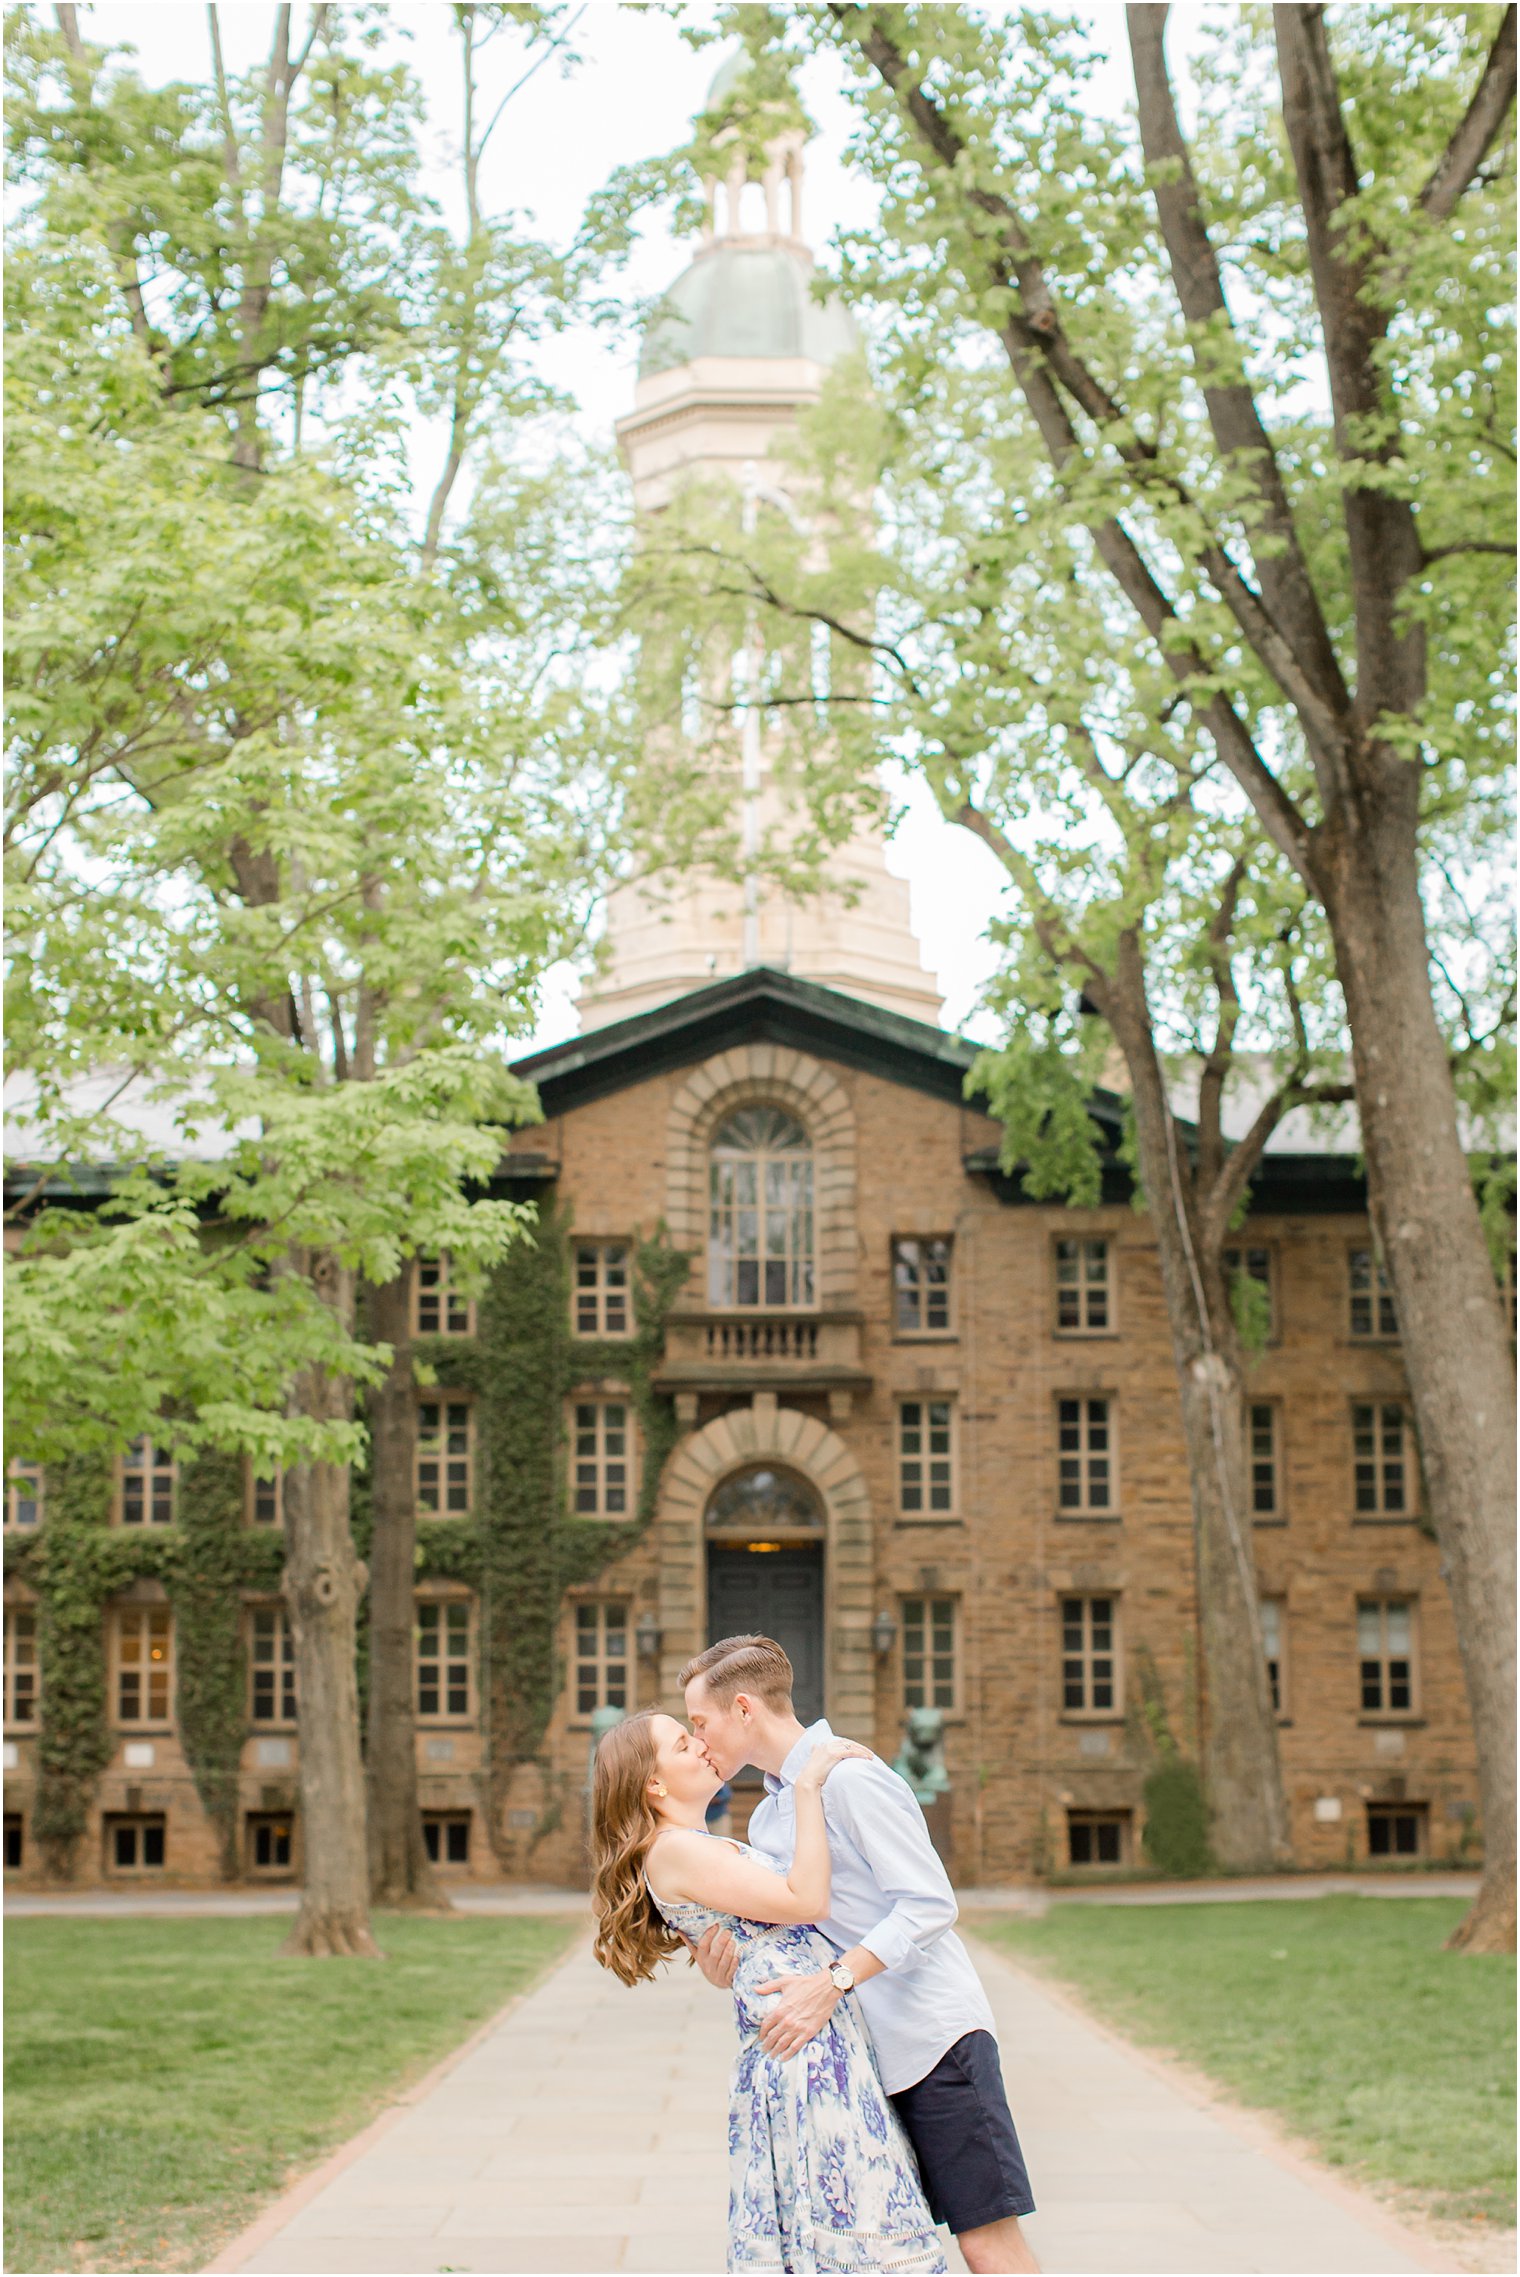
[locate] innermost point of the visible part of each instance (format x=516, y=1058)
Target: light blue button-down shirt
x=891, y=1894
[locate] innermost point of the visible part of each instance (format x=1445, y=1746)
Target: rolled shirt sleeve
x=879, y=1814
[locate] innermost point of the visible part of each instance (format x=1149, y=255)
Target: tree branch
x=1481, y=121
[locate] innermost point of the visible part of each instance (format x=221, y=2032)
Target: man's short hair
x=743, y=1664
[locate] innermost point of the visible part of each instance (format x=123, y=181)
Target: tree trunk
x=399, y=1871
x=324, y=1582
x=1242, y=1773
x=1456, y=1348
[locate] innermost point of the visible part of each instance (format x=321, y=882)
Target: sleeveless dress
x=821, y=2175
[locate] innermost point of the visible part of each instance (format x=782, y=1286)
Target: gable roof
x=766, y=1006
x=759, y=1006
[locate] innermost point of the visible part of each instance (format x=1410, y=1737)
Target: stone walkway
x=537, y=1897
x=584, y=2131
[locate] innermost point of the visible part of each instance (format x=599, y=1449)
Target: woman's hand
x=823, y=1759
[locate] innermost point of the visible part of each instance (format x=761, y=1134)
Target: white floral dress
x=821, y=2175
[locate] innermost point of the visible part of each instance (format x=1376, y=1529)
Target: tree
x=1306, y=514
x=296, y=850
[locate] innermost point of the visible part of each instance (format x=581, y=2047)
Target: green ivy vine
x=76, y=1563
x=523, y=1547
x=520, y=1551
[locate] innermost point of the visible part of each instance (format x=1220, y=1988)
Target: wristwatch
x=841, y=1978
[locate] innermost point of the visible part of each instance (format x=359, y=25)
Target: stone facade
x=813, y=1394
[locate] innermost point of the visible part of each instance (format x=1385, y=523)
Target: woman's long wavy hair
x=632, y=1935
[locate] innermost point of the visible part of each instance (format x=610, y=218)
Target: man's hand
x=717, y=1956
x=805, y=2006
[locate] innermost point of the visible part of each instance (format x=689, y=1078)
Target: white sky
x=632, y=95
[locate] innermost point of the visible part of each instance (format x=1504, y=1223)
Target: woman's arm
x=686, y=1864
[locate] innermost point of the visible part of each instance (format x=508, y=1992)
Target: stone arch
x=802, y=1443
x=815, y=1095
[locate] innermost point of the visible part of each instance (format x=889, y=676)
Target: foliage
x=522, y=1547
x=1176, y=1819
x=1287, y=2005
x=261, y=2066
x=76, y=1564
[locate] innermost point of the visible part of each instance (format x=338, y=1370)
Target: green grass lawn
x=163, y=2078
x=1341, y=2014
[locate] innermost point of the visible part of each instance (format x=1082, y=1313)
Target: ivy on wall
x=520, y=1550
x=522, y=1547
x=76, y=1563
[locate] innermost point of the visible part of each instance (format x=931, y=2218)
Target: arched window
x=760, y=1211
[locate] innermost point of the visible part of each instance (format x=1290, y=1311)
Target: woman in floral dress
x=821, y=2175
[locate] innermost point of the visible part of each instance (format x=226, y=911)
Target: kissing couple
x=866, y=2102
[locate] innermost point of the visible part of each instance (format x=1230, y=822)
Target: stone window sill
x=1264, y=1518
x=929, y=1518
x=1391, y=1518
x=1392, y=1722
x=1095, y=1718
x=1089, y=1518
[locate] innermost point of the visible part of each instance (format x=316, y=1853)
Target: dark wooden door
x=773, y=1593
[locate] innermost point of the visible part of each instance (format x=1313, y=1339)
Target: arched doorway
x=765, y=1530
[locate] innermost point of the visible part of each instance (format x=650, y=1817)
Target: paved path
x=585, y=2131
x=532, y=1897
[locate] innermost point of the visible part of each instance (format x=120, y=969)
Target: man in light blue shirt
x=893, y=1915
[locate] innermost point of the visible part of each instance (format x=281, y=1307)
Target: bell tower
x=738, y=348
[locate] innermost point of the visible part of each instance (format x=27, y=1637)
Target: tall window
x=1252, y=1294
x=1085, y=1480
x=1380, y=1435
x=1274, y=1640
x=603, y=1474
x=443, y=1658
x=23, y=1493
x=1372, y=1313
x=1084, y=1297
x=1385, y=1651
x=144, y=1664
x=928, y=1647
x=1089, y=1656
x=266, y=1498
x=921, y=1286
x=147, y=1485
x=1262, y=1453
x=271, y=1666
x=20, y=1667
x=760, y=1211
x=445, y=1457
x=438, y=1308
x=601, y=1658
x=925, y=1457
x=601, y=1289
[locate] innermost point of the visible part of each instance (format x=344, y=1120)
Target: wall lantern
x=648, y=1636
x=883, y=1634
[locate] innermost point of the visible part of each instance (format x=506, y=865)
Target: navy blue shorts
x=958, y=2121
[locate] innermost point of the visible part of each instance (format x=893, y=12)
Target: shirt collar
x=813, y=1737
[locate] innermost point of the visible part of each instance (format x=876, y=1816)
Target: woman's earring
x=658, y=1788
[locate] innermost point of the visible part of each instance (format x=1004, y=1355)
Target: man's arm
x=882, y=1819
x=880, y=1815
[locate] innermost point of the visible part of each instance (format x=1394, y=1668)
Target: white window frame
x=272, y=1621
x=927, y=1465
x=146, y=1623
x=156, y=1474
x=443, y=1464
x=1372, y=1621
x=1369, y=1290
x=931, y=1645
x=23, y=1668
x=436, y=1300
x=602, y=1483
x=1086, y=1462
x=594, y=1623
x=761, y=1213
x=1079, y=1291
x=25, y=1488
x=923, y=1283
x=1375, y=1458
x=435, y=1616
x=1086, y=1661
x=601, y=1299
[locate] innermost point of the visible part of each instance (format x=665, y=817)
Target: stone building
x=923, y=1430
